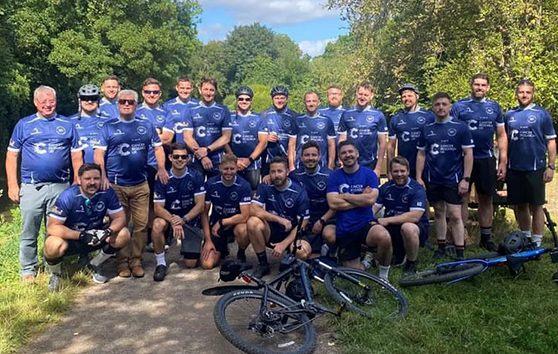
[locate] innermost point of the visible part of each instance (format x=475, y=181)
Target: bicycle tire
x=383, y=300
x=441, y=275
x=249, y=339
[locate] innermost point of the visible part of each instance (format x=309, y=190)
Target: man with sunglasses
x=174, y=109
x=108, y=107
x=124, y=144
x=178, y=206
x=248, y=140
x=76, y=224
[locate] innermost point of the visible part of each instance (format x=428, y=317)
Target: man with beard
x=108, y=107
x=404, y=220
x=229, y=196
x=175, y=108
x=313, y=177
x=484, y=118
x=351, y=193
x=405, y=127
x=75, y=224
x=335, y=109
x=275, y=212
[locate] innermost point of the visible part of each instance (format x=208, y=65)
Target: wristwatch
x=208, y=149
x=467, y=179
x=251, y=159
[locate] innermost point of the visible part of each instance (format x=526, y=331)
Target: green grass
x=493, y=312
x=27, y=309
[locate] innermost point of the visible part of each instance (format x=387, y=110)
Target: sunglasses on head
x=177, y=156
x=131, y=102
x=242, y=99
x=152, y=92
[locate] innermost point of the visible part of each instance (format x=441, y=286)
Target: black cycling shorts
x=78, y=247
x=221, y=243
x=277, y=234
x=440, y=192
x=397, y=238
x=350, y=243
x=526, y=187
x=483, y=176
x=316, y=241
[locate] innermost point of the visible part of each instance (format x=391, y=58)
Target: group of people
x=192, y=170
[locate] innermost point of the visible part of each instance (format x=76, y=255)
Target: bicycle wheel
x=365, y=294
x=442, y=274
x=281, y=330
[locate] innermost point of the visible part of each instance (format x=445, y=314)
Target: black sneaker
x=261, y=271
x=439, y=253
x=160, y=272
x=410, y=268
x=488, y=245
x=241, y=256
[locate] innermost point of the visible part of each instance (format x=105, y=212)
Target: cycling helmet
x=88, y=90
x=279, y=90
x=295, y=289
x=244, y=90
x=514, y=242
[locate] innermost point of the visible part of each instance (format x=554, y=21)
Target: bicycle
x=262, y=319
x=453, y=272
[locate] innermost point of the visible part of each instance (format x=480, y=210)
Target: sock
x=55, y=266
x=100, y=258
x=459, y=251
x=108, y=249
x=441, y=244
x=537, y=239
x=485, y=233
x=241, y=253
x=262, y=258
x=160, y=258
x=527, y=233
x=384, y=272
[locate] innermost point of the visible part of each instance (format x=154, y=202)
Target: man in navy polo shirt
x=124, y=144
x=446, y=151
x=47, y=142
x=532, y=156
x=351, y=193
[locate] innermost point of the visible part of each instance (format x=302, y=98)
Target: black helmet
x=514, y=242
x=231, y=269
x=88, y=90
x=244, y=90
x=279, y=90
x=295, y=289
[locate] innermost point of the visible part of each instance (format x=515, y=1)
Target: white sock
x=160, y=258
x=55, y=269
x=537, y=239
x=527, y=233
x=100, y=258
x=384, y=272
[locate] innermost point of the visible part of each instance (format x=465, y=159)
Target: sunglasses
x=242, y=99
x=152, y=92
x=89, y=98
x=183, y=157
x=131, y=102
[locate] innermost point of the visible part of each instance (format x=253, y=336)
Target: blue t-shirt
x=282, y=123
x=157, y=117
x=363, y=127
x=244, y=139
x=88, y=129
x=317, y=128
x=178, y=195
x=443, y=143
x=80, y=213
x=482, y=117
x=340, y=182
x=127, y=144
x=45, y=145
x=290, y=203
x=406, y=126
x=398, y=200
x=174, y=109
x=315, y=185
x=108, y=109
x=528, y=130
x=208, y=123
x=334, y=113
x=226, y=200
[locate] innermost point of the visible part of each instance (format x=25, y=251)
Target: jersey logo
x=171, y=189
x=452, y=132
x=402, y=122
x=237, y=139
x=141, y=130
x=56, y=210
x=344, y=188
x=234, y=196
x=489, y=110
x=370, y=119
x=404, y=199
x=118, y=132
x=421, y=120
x=390, y=198
x=100, y=125
x=216, y=116
x=321, y=185
x=78, y=126
x=473, y=124
x=304, y=139
x=321, y=125
x=124, y=149
x=160, y=119
x=512, y=119
x=289, y=202
x=201, y=132
x=100, y=206
x=40, y=148
x=514, y=135
x=286, y=124
x=197, y=116
x=271, y=198
x=60, y=130
x=35, y=131
x=215, y=194
x=434, y=149
x=190, y=186
x=431, y=133
x=175, y=204
x=252, y=123
x=405, y=136
x=532, y=118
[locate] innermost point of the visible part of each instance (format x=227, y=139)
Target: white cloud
x=215, y=31
x=314, y=48
x=273, y=11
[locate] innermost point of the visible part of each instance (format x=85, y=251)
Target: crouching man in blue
x=405, y=220
x=75, y=224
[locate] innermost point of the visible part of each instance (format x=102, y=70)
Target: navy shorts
x=350, y=243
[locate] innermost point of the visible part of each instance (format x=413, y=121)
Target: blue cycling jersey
x=45, y=145
x=315, y=184
x=174, y=109
x=283, y=124
x=443, y=143
x=157, y=117
x=482, y=117
x=80, y=213
x=226, y=200
x=528, y=130
x=317, y=128
x=364, y=127
x=108, y=109
x=341, y=182
x=245, y=136
x=290, y=203
x=88, y=129
x=398, y=200
x=334, y=113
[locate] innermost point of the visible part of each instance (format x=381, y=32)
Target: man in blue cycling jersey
x=484, y=118
x=532, y=156
x=274, y=214
x=446, y=151
x=174, y=109
x=335, y=109
x=76, y=224
x=367, y=127
x=48, y=143
x=351, y=192
x=248, y=139
x=108, y=107
x=312, y=126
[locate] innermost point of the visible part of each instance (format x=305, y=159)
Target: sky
x=307, y=22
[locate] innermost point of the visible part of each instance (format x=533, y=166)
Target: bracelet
x=208, y=149
x=321, y=221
